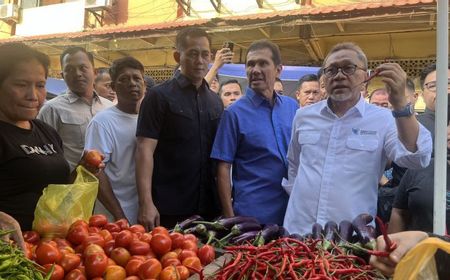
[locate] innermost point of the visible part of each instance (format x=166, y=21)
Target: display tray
x=211, y=268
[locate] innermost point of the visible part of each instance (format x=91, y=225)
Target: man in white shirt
x=339, y=146
x=71, y=112
x=112, y=132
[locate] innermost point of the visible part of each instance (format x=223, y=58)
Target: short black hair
x=191, y=32
x=99, y=72
x=266, y=44
x=125, y=62
x=74, y=50
x=410, y=85
x=11, y=54
x=278, y=80
x=232, y=81
x=425, y=72
x=307, y=78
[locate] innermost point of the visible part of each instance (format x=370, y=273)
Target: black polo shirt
x=184, y=120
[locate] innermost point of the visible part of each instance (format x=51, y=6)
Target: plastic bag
x=419, y=262
x=61, y=205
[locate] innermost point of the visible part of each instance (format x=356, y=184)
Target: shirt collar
x=184, y=81
x=428, y=111
x=360, y=107
x=257, y=99
x=73, y=97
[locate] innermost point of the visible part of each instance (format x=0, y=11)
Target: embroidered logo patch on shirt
x=358, y=131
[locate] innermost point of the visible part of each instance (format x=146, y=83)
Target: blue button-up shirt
x=254, y=136
x=335, y=163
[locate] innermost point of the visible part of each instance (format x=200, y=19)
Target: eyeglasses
x=431, y=86
x=347, y=70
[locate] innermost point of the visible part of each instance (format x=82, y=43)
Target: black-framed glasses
x=347, y=70
x=431, y=86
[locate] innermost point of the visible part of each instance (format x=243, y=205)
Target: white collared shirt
x=335, y=162
x=69, y=115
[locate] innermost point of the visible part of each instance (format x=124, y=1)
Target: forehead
x=27, y=68
x=310, y=84
x=128, y=71
x=76, y=58
x=430, y=77
x=380, y=96
x=197, y=43
x=259, y=54
x=231, y=87
x=343, y=56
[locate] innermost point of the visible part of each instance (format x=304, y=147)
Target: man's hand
x=405, y=240
x=9, y=223
x=148, y=216
x=395, y=79
x=224, y=55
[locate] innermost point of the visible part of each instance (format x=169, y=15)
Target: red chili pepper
x=376, y=72
x=390, y=246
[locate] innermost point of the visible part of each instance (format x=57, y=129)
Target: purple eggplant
x=345, y=231
x=363, y=231
x=330, y=234
x=180, y=227
x=201, y=229
x=247, y=236
x=238, y=229
x=317, y=232
x=269, y=232
x=283, y=232
x=228, y=223
x=296, y=236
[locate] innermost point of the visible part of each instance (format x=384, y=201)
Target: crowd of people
x=193, y=145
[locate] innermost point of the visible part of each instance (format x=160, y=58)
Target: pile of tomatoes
x=99, y=249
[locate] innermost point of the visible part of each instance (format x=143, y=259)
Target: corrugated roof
x=302, y=11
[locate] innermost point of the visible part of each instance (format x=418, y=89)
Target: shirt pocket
x=73, y=129
x=308, y=137
x=179, y=122
x=361, y=154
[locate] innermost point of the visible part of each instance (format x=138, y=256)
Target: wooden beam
x=340, y=26
x=149, y=41
x=317, y=48
x=432, y=21
x=310, y=50
x=264, y=32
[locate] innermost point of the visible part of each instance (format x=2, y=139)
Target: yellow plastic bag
x=61, y=205
x=418, y=263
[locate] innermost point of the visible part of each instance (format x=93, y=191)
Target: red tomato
x=31, y=237
x=93, y=249
x=137, y=228
x=190, y=245
x=98, y=220
x=93, y=158
x=124, y=238
x=112, y=227
x=170, y=262
x=123, y=223
x=138, y=247
x=169, y=255
x=160, y=230
x=185, y=254
x=177, y=240
x=142, y=258
x=106, y=235
x=146, y=237
x=191, y=237
x=193, y=264
x=109, y=246
x=58, y=271
x=151, y=268
x=111, y=262
x=62, y=243
x=47, y=253
x=132, y=267
x=161, y=244
x=120, y=255
x=29, y=248
x=94, y=238
x=70, y=261
x=169, y=273
x=82, y=223
x=206, y=254
x=132, y=278
x=115, y=272
x=95, y=264
x=75, y=274
x=183, y=271
x=77, y=234
x=93, y=230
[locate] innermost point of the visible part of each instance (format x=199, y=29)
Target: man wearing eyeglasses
x=340, y=146
x=428, y=84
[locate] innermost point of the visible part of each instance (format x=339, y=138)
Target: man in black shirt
x=176, y=128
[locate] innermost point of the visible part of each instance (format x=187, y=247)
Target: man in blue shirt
x=253, y=136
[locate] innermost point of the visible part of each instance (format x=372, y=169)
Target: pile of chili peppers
x=288, y=258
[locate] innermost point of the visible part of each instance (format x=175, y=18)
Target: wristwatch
x=406, y=111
